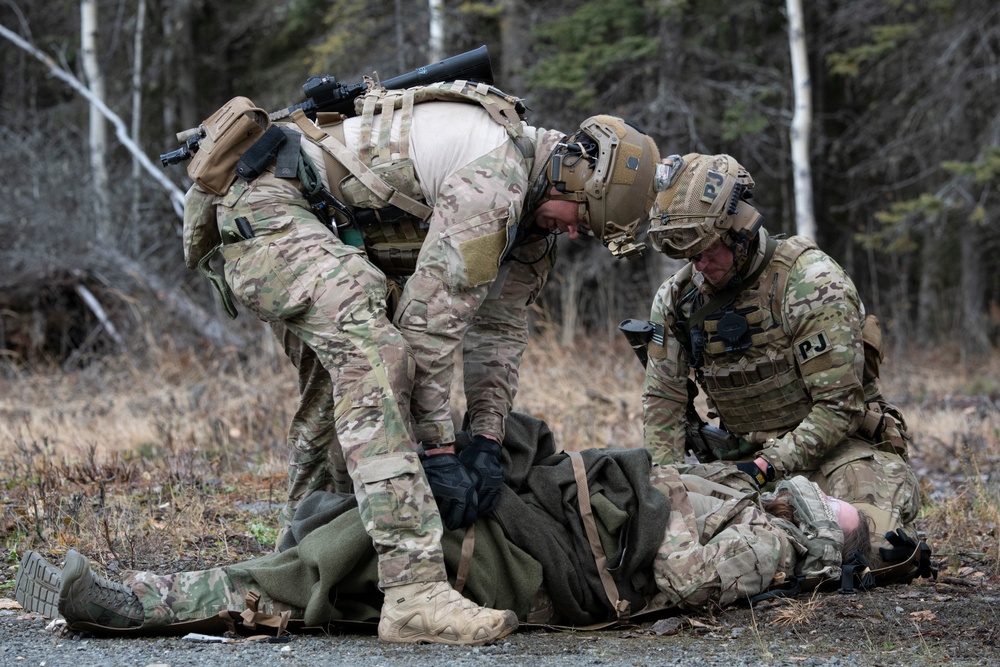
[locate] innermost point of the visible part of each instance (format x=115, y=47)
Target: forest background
x=904, y=141
x=141, y=426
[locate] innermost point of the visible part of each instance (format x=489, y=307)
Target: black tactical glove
x=759, y=477
x=902, y=547
x=482, y=458
x=454, y=489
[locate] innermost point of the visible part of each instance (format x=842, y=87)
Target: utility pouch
x=226, y=134
x=871, y=336
x=259, y=156
x=883, y=425
x=873, y=424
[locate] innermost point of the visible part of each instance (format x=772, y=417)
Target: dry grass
x=157, y=464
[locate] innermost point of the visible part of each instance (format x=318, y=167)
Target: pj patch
x=812, y=347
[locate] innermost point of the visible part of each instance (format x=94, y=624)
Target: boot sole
x=37, y=585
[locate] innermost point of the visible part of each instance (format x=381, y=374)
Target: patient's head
x=854, y=523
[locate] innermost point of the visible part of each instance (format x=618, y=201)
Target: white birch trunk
x=805, y=220
x=98, y=134
x=435, y=39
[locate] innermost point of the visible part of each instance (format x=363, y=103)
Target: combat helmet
x=703, y=198
x=608, y=166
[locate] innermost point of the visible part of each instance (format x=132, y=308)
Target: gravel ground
x=954, y=621
x=25, y=642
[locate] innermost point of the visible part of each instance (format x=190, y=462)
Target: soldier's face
x=561, y=215
x=714, y=262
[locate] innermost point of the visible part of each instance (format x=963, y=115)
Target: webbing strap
x=620, y=606
x=404, y=130
x=385, y=130
x=465, y=561
x=352, y=163
x=365, y=138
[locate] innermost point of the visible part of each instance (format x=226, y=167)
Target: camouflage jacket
x=719, y=546
x=477, y=271
x=817, y=336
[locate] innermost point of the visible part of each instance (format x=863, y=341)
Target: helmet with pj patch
x=705, y=200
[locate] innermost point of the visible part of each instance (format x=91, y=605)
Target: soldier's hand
x=454, y=488
x=760, y=476
x=482, y=458
x=903, y=547
x=745, y=449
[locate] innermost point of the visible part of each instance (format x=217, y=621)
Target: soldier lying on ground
x=657, y=537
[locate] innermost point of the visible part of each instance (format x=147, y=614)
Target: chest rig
x=378, y=182
x=742, y=355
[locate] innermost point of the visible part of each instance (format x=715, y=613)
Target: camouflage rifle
x=707, y=442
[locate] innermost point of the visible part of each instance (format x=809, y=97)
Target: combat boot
x=37, y=585
x=434, y=612
x=88, y=598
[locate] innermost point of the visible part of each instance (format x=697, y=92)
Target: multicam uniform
x=470, y=286
x=783, y=367
x=720, y=547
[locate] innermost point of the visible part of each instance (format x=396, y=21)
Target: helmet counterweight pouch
x=226, y=134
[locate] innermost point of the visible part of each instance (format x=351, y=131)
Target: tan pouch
x=226, y=134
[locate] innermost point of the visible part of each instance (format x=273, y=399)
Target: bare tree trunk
x=179, y=102
x=435, y=39
x=400, y=38
x=659, y=266
x=805, y=221
x=140, y=27
x=515, y=28
x=928, y=304
x=570, y=301
x=974, y=335
x=98, y=134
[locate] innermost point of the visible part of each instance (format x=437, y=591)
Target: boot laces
x=451, y=596
x=110, y=594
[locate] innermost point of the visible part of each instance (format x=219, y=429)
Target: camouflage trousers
x=879, y=483
x=193, y=596
x=316, y=461
x=295, y=272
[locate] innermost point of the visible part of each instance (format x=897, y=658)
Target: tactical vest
x=748, y=368
x=379, y=182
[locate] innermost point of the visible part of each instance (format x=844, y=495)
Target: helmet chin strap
x=742, y=243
